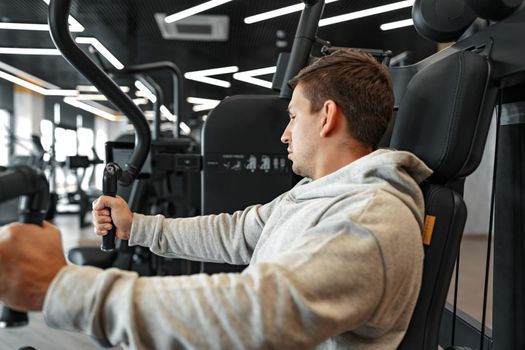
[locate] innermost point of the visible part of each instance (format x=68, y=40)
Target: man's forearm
x=214, y=238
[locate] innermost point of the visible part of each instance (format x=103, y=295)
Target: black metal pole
x=303, y=42
x=509, y=228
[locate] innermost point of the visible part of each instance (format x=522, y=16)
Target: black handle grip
x=109, y=188
x=23, y=180
x=11, y=318
x=108, y=241
x=32, y=185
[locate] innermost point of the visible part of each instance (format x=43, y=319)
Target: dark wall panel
x=6, y=95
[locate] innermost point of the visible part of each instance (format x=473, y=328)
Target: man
x=334, y=263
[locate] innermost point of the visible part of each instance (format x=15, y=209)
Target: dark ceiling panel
x=128, y=29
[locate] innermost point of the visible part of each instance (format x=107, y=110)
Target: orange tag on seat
x=428, y=229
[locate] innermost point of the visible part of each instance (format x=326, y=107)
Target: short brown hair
x=358, y=83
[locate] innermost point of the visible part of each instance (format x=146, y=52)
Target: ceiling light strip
x=274, y=13
x=22, y=82
x=194, y=10
x=102, y=49
x=28, y=51
x=365, y=13
x=140, y=101
x=397, y=24
x=24, y=26
x=248, y=76
x=145, y=91
x=73, y=22
x=38, y=89
x=60, y=92
x=211, y=81
x=166, y=112
x=26, y=76
x=203, y=75
x=31, y=26
x=185, y=129
x=202, y=104
x=75, y=25
x=91, y=88
x=88, y=108
x=215, y=71
x=205, y=107
x=277, y=12
x=91, y=97
x=200, y=100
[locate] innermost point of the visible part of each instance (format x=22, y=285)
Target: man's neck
x=335, y=159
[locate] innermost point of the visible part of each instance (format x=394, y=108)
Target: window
x=85, y=142
x=46, y=129
x=65, y=143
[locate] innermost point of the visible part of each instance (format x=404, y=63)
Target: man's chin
x=296, y=170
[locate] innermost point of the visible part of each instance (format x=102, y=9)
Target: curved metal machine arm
x=59, y=28
x=177, y=84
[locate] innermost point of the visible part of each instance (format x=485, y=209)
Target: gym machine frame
x=59, y=28
x=506, y=51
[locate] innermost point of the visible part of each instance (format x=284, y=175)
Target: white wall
x=28, y=110
x=478, y=187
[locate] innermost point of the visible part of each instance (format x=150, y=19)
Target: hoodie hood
x=396, y=172
x=384, y=166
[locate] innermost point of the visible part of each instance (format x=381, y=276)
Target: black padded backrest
x=444, y=119
x=241, y=135
x=244, y=160
x=446, y=211
x=444, y=116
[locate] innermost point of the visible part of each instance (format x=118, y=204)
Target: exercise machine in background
x=81, y=198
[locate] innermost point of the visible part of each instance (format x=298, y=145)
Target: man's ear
x=331, y=114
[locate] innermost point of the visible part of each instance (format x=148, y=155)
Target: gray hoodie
x=334, y=263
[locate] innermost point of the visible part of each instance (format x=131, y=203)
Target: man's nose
x=285, y=137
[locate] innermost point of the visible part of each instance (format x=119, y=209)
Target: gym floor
x=470, y=295
x=472, y=278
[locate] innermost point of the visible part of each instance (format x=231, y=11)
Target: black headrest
x=446, y=20
x=442, y=20
x=494, y=9
x=445, y=115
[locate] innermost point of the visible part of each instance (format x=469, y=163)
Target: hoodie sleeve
x=331, y=282
x=228, y=238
